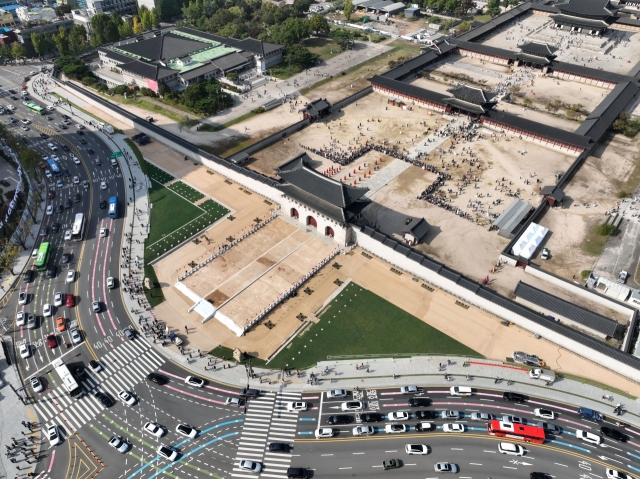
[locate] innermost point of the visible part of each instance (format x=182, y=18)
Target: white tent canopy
x=529, y=241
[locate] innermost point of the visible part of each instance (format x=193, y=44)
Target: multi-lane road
x=225, y=434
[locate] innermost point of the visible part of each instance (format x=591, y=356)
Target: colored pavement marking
x=570, y=445
x=307, y=419
x=132, y=435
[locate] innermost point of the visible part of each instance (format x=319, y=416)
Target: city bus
x=113, y=207
x=77, y=230
x=42, y=260
x=67, y=378
x=53, y=166
x=519, y=432
x=36, y=109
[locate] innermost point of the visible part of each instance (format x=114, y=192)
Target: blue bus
x=55, y=169
x=113, y=207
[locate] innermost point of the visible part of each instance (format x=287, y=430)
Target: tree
x=137, y=26
x=163, y=89
x=18, y=50
x=301, y=6
x=297, y=55
x=103, y=29
x=493, y=8
x=78, y=40
x=62, y=9
x=145, y=19
x=463, y=7
x=193, y=12
x=463, y=27
x=125, y=30
x=342, y=37
x=232, y=76
x=9, y=255
x=554, y=106
x=155, y=19
x=319, y=24
x=291, y=31
x=39, y=43
x=348, y=9
x=61, y=41
x=5, y=51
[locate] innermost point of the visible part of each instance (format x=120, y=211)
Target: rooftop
x=164, y=47
x=472, y=94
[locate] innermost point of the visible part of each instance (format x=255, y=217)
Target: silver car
x=482, y=416
x=337, y=393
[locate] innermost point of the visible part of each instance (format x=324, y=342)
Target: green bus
x=35, y=108
x=42, y=260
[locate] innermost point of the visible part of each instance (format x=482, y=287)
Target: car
x=82, y=141
x=81, y=133
x=76, y=160
x=323, y=432
x=51, y=272
x=46, y=310
x=51, y=194
x=85, y=184
x=445, y=467
x=615, y=474
x=55, y=227
x=25, y=128
x=410, y=390
x=253, y=467
x=419, y=402
x=416, y=449
x=71, y=276
x=544, y=413
x=482, y=416
x=67, y=203
x=25, y=351
x=340, y=419
x=22, y=298
x=589, y=437
x=280, y=447
x=461, y=391
x=36, y=384
x=51, y=108
x=25, y=121
x=129, y=332
x=233, y=402
x=67, y=237
x=44, y=136
x=49, y=210
x=155, y=429
x=111, y=282
x=426, y=415
x=548, y=427
x=12, y=120
x=622, y=277
x=167, y=452
x=48, y=174
x=194, y=381
x=450, y=415
x=424, y=427
x=44, y=231
x=103, y=204
x=391, y=464
x=297, y=406
x=511, y=396
x=363, y=431
x=91, y=152
x=398, y=416
x=78, y=126
x=613, y=434
x=60, y=324
x=453, y=427
x=103, y=232
x=510, y=449
x=589, y=414
x=298, y=473
x=337, y=393
x=52, y=147
x=103, y=185
x=187, y=431
x=57, y=299
x=62, y=126
x=54, y=435
x=95, y=306
x=76, y=198
x=75, y=336
x=157, y=378
x=52, y=341
x=119, y=444
x=21, y=318
x=28, y=274
x=103, y=399
x=31, y=321
x=49, y=118
x=76, y=180
x=371, y=417
x=59, y=209
x=513, y=419
x=352, y=406
x=66, y=257
x=395, y=428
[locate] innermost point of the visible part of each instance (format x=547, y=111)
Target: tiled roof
x=581, y=21
x=164, y=47
x=419, y=228
x=471, y=94
x=196, y=72
x=147, y=70
x=230, y=61
x=535, y=48
x=588, y=8
x=257, y=46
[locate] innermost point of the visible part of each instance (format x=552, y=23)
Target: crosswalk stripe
x=243, y=475
x=139, y=368
x=76, y=423
x=284, y=421
x=156, y=356
x=129, y=355
x=40, y=413
x=140, y=346
x=82, y=408
x=243, y=442
x=254, y=434
x=68, y=424
x=129, y=377
x=254, y=449
x=264, y=474
x=265, y=429
x=63, y=399
x=121, y=359
x=116, y=383
x=269, y=456
x=91, y=405
x=107, y=387
x=279, y=430
x=48, y=407
x=258, y=420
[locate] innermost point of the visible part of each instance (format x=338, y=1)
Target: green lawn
x=358, y=322
x=324, y=47
x=186, y=191
x=155, y=173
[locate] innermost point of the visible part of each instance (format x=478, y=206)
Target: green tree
x=39, y=43
x=125, y=30
x=193, y=12
x=78, y=40
x=62, y=9
x=348, y=9
x=342, y=37
x=493, y=8
x=61, y=40
x=297, y=55
x=291, y=31
x=18, y=50
x=145, y=19
x=155, y=19
x=319, y=24
x=463, y=6
x=301, y=6
x=464, y=27
x=137, y=26
x=103, y=30
x=5, y=51
x=554, y=106
x=232, y=76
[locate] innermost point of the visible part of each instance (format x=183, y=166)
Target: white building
x=26, y=14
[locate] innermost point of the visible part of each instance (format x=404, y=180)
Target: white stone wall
x=341, y=234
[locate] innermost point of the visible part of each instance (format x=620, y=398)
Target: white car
x=186, y=431
x=71, y=276
x=21, y=318
x=613, y=474
x=398, y=416
x=36, y=384
x=395, y=428
x=25, y=351
x=337, y=393
x=250, y=466
x=409, y=390
x=323, y=432
x=67, y=235
x=510, y=449
x=75, y=336
x=119, y=444
x=25, y=121
x=22, y=298
x=233, y=402
x=76, y=180
x=445, y=467
x=156, y=429
x=352, y=406
x=52, y=147
x=544, y=413
x=51, y=108
x=512, y=419
x=297, y=406
x=453, y=427
x=57, y=299
x=482, y=416
x=103, y=185
x=127, y=398
x=54, y=435
x=76, y=160
x=103, y=232
x=46, y=310
x=167, y=452
x=111, y=282
x=461, y=391
x=79, y=126
x=589, y=437
x=49, y=210
x=363, y=431
x=33, y=73
x=194, y=381
x=419, y=449
x=450, y=415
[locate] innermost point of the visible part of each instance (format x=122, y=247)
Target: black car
x=279, y=447
x=44, y=136
x=13, y=92
x=515, y=397
x=249, y=393
x=371, y=417
x=80, y=132
x=539, y=475
x=65, y=147
x=67, y=203
x=82, y=141
x=5, y=183
x=90, y=151
x=298, y=473
x=59, y=209
x=14, y=97
x=103, y=204
x=426, y=415
x=340, y=419
x=419, y=402
x=51, y=272
x=55, y=227
x=104, y=399
x=67, y=173
x=157, y=378
x=65, y=258
x=44, y=231
x=28, y=276
x=62, y=126
x=65, y=117
x=613, y=434
x=76, y=198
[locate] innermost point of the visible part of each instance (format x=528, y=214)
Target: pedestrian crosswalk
x=267, y=420
x=124, y=367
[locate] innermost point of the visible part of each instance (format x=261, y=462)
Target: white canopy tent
x=529, y=241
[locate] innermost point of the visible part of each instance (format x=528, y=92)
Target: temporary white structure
x=530, y=240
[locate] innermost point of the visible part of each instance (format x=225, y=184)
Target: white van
x=114, y=162
x=461, y=391
x=542, y=375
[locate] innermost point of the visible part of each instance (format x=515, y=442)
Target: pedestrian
x=186, y=329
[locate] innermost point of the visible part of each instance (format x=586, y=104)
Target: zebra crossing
x=126, y=366
x=267, y=420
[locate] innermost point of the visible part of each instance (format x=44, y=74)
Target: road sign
x=115, y=154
